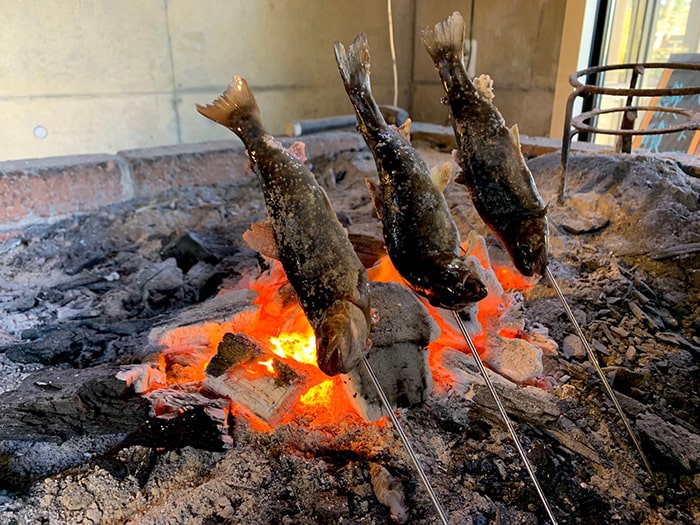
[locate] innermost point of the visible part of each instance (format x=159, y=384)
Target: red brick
x=36, y=189
x=157, y=169
x=328, y=143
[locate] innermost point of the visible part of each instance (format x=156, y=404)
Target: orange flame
x=319, y=394
x=512, y=280
x=384, y=271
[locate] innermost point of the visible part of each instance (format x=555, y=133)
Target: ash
x=80, y=297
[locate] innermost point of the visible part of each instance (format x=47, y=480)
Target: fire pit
x=150, y=376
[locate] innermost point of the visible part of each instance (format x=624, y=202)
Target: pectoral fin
x=261, y=238
x=298, y=149
x=441, y=175
x=468, y=245
x=484, y=84
x=374, y=195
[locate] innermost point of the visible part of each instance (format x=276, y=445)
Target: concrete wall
x=99, y=76
x=517, y=45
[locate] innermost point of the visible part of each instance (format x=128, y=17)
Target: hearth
x=148, y=373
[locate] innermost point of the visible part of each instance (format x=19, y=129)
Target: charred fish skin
x=420, y=234
x=319, y=260
x=493, y=168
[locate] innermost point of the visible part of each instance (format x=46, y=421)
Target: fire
x=512, y=280
x=319, y=394
x=300, y=347
x=384, y=271
x=268, y=366
x=281, y=374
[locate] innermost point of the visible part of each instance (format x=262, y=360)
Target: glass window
x=643, y=31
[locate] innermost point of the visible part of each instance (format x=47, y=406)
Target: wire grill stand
x=575, y=125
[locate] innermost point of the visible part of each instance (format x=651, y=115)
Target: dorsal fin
x=515, y=136
x=405, y=130
x=484, y=84
x=441, y=175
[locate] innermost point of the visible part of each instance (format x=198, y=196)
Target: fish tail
x=235, y=105
x=354, y=68
x=446, y=39
x=354, y=64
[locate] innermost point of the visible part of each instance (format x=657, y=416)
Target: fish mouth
x=341, y=338
x=530, y=249
x=455, y=286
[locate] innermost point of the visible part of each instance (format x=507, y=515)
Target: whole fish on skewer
x=497, y=177
x=330, y=281
x=492, y=166
x=420, y=234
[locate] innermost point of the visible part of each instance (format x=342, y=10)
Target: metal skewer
x=406, y=442
x=504, y=415
x=594, y=361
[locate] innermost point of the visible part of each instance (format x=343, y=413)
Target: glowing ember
x=268, y=365
x=272, y=386
x=384, y=272
x=512, y=280
x=318, y=395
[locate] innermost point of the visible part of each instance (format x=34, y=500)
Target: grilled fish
x=319, y=260
x=488, y=153
x=419, y=233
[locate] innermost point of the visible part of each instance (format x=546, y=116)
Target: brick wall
x=38, y=191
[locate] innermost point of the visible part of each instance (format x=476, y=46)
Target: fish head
x=455, y=285
x=341, y=338
x=530, y=249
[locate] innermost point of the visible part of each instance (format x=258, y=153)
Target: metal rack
x=575, y=125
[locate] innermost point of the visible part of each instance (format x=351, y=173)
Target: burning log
x=268, y=396
x=530, y=404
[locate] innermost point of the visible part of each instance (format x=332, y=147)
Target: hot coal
x=633, y=284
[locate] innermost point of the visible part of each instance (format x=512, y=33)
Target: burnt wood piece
x=54, y=405
x=218, y=309
x=367, y=247
x=234, y=349
x=191, y=247
x=80, y=343
x=193, y=426
x=526, y=403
